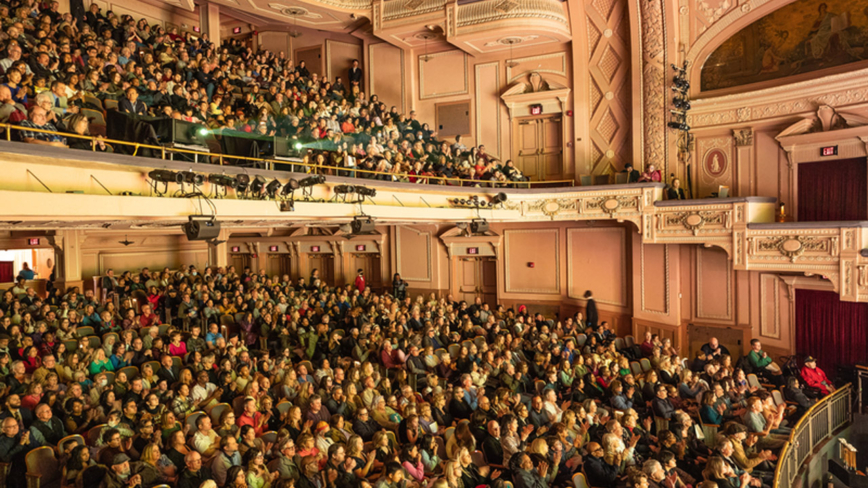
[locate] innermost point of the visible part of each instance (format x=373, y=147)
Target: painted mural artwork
x=715, y=163
x=803, y=37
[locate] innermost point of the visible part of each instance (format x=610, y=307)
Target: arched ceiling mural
x=804, y=37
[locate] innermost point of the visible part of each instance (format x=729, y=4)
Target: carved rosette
x=553, y=207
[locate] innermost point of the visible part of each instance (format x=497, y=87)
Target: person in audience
x=131, y=104
x=675, y=192
x=38, y=120
x=815, y=377
x=632, y=174
x=651, y=175
x=10, y=110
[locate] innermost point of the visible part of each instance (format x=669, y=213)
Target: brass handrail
x=803, y=423
x=311, y=168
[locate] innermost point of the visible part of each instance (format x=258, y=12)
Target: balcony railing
x=818, y=424
x=166, y=152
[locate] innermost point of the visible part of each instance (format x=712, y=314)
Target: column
x=67, y=258
x=209, y=21
x=744, y=167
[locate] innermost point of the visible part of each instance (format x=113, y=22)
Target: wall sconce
x=531, y=265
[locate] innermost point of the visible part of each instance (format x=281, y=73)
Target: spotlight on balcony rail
x=165, y=176
x=221, y=180
x=242, y=182
x=364, y=191
x=257, y=185
x=311, y=181
x=498, y=199
x=344, y=189
x=272, y=188
x=190, y=177
x=290, y=187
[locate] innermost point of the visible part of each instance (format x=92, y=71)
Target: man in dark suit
x=632, y=174
x=714, y=349
x=661, y=405
x=356, y=75
x=793, y=393
x=168, y=371
x=131, y=104
x=591, y=316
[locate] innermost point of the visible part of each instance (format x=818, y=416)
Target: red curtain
x=833, y=190
x=7, y=273
x=832, y=331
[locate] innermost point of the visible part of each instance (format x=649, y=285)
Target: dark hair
x=391, y=468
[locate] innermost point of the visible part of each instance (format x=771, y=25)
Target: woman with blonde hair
x=453, y=473
x=150, y=470
x=461, y=438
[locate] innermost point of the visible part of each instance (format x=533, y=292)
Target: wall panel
x=386, y=74
x=713, y=284
x=433, y=83
x=339, y=59
x=586, y=265
x=537, y=246
x=488, y=108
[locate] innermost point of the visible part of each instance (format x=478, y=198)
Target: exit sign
x=272, y=248
x=472, y=250
x=536, y=109
x=236, y=248
x=314, y=248
x=33, y=242
x=361, y=247
x=829, y=151
x=236, y=30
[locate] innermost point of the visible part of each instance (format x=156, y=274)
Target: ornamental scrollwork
x=795, y=246
x=612, y=204
x=551, y=207
x=694, y=221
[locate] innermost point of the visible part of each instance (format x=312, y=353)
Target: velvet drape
x=832, y=331
x=833, y=190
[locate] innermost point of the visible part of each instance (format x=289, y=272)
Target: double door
x=370, y=264
x=477, y=277
x=325, y=263
x=540, y=147
x=279, y=265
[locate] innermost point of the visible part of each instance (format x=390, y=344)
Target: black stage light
x=194, y=178
x=290, y=187
x=479, y=227
x=257, y=185
x=366, y=192
x=221, y=180
x=681, y=83
x=362, y=226
x=312, y=180
x=498, y=199
x=165, y=176
x=201, y=228
x=241, y=182
x=681, y=103
x=271, y=188
x=344, y=189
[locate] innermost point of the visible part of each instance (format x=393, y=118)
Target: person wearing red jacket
x=815, y=377
x=360, y=281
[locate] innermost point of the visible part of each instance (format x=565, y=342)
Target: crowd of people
x=54, y=65
x=220, y=378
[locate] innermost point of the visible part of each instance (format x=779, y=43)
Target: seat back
x=620, y=343
x=630, y=341
x=94, y=342
x=155, y=366
x=601, y=179
x=478, y=458
x=454, y=349
x=710, y=432
x=110, y=104
x=661, y=423
x=96, y=102
x=284, y=406
x=130, y=371
x=646, y=364
x=635, y=367
x=217, y=410
x=269, y=437
x=752, y=380
x=43, y=469
x=587, y=180
x=93, y=435
x=450, y=431
x=75, y=439
x=579, y=481
x=777, y=397
x=83, y=331
x=581, y=339
x=93, y=115
x=621, y=178
x=190, y=421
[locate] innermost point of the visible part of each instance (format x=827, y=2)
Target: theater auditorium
x=433, y=243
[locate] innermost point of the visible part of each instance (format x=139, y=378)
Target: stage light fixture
x=290, y=187
x=221, y=180
x=193, y=178
x=479, y=227
x=165, y=176
x=344, y=189
x=241, y=183
x=680, y=83
x=271, y=188
x=362, y=226
x=257, y=185
x=681, y=103
x=311, y=181
x=498, y=199
x=364, y=191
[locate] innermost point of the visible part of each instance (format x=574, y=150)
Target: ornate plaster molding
x=483, y=12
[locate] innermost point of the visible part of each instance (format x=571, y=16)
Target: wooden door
x=487, y=270
x=325, y=263
x=477, y=278
x=528, y=148
x=551, y=147
x=279, y=264
x=241, y=261
x=370, y=264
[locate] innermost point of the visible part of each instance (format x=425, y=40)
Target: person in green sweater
x=758, y=358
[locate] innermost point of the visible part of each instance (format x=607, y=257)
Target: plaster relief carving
x=743, y=137
x=654, y=62
x=794, y=247
x=613, y=204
